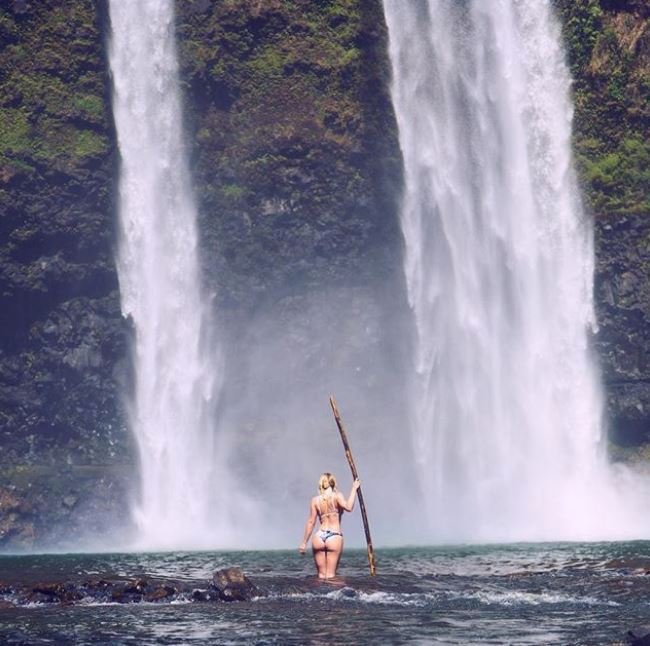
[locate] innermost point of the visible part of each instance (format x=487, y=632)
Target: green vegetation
x=293, y=126
x=90, y=105
x=89, y=144
x=14, y=132
x=50, y=83
x=611, y=75
x=233, y=192
x=619, y=181
x=582, y=28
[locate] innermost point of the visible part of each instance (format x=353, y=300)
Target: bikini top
x=329, y=510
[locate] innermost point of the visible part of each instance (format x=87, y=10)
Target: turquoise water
x=497, y=594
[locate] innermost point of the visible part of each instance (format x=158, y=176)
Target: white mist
x=507, y=408
x=176, y=365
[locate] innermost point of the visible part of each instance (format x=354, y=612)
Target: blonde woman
x=327, y=543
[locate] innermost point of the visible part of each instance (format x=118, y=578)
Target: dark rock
x=49, y=589
x=161, y=593
x=70, y=501
x=200, y=595
x=55, y=593
x=638, y=637
x=622, y=290
x=137, y=586
x=231, y=584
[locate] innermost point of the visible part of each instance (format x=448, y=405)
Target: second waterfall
x=175, y=363
x=499, y=262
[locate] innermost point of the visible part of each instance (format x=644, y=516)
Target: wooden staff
x=353, y=468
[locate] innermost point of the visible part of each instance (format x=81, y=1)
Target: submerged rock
x=161, y=593
x=639, y=637
x=232, y=584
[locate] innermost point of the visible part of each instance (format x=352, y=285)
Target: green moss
x=90, y=105
x=233, y=192
x=619, y=181
x=14, y=131
x=610, y=95
x=582, y=28
x=268, y=63
x=88, y=144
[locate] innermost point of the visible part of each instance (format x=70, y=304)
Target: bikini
x=324, y=534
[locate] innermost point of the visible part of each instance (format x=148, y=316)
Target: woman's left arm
x=309, y=527
x=348, y=504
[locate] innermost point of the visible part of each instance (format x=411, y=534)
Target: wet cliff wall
x=297, y=173
x=608, y=45
x=62, y=339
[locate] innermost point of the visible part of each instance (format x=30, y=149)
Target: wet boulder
x=54, y=593
x=639, y=636
x=162, y=593
x=132, y=592
x=231, y=584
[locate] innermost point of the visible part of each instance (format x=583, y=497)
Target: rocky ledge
x=229, y=584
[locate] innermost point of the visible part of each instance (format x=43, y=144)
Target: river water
x=547, y=593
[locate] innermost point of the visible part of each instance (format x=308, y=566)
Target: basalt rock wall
x=62, y=338
x=297, y=172
x=608, y=46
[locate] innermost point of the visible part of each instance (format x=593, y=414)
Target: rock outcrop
x=608, y=45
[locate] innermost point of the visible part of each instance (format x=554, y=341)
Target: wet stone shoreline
x=229, y=584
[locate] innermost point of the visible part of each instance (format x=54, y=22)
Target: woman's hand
x=302, y=547
x=356, y=484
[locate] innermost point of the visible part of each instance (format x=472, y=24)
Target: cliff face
x=609, y=52
x=296, y=168
x=296, y=151
x=297, y=173
x=62, y=336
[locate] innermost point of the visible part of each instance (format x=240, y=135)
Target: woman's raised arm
x=348, y=504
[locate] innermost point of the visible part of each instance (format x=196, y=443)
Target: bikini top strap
x=329, y=510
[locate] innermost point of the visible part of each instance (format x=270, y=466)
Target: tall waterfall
x=507, y=425
x=175, y=366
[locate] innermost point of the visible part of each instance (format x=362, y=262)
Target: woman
x=327, y=544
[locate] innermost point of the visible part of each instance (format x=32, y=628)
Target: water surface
x=517, y=594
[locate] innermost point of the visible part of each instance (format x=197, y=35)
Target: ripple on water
x=524, y=594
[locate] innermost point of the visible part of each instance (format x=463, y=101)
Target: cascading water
x=175, y=365
x=499, y=262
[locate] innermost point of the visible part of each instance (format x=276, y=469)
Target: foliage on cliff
x=61, y=328
x=295, y=141
x=609, y=53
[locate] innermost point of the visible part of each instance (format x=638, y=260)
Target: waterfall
x=176, y=367
x=506, y=425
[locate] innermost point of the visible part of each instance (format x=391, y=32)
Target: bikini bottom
x=324, y=534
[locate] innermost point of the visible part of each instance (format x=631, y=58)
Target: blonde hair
x=326, y=481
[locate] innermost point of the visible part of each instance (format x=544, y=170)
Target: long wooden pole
x=355, y=475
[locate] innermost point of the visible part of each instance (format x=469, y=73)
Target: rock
x=161, y=592
x=55, y=593
x=132, y=592
x=200, y=595
x=69, y=501
x=638, y=637
x=137, y=586
x=232, y=584
x=49, y=589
